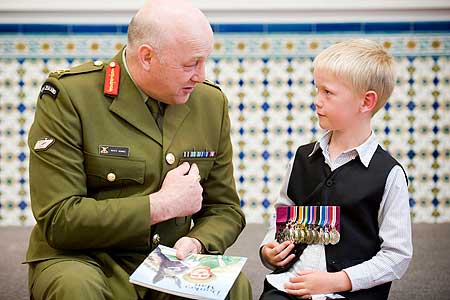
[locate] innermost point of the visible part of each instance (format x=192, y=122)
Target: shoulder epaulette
x=211, y=84
x=84, y=68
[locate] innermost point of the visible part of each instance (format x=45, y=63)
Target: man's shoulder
x=208, y=94
x=211, y=84
x=87, y=67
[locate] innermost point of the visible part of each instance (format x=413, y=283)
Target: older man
x=127, y=154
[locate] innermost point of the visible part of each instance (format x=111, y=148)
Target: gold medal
x=307, y=235
x=302, y=234
x=321, y=236
x=296, y=236
x=326, y=237
x=335, y=236
x=316, y=236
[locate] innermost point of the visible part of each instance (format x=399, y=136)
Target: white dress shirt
x=394, y=222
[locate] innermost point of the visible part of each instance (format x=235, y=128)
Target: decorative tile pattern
x=268, y=80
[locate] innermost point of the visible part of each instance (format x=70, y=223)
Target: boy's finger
x=288, y=259
x=285, y=252
x=280, y=247
x=305, y=272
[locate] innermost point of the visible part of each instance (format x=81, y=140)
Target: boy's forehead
x=324, y=74
x=328, y=77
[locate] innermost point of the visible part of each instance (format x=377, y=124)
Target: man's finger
x=182, y=249
x=181, y=169
x=194, y=169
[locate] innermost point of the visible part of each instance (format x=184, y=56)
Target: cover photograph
x=198, y=276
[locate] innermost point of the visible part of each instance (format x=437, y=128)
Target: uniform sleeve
x=220, y=221
x=66, y=217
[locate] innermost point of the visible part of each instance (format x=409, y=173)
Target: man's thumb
x=182, y=169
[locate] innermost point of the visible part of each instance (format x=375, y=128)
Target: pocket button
x=111, y=177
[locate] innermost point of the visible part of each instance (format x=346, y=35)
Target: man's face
x=337, y=105
x=178, y=67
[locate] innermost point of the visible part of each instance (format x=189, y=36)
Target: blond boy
x=347, y=168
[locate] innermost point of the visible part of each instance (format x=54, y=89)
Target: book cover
x=198, y=276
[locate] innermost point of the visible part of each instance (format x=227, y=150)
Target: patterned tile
x=268, y=80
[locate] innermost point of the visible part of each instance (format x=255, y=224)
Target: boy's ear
x=369, y=102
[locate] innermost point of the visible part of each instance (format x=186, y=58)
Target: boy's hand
x=278, y=254
x=312, y=282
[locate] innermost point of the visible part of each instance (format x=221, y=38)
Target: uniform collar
x=125, y=65
x=365, y=151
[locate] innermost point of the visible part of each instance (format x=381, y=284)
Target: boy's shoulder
x=306, y=149
x=385, y=155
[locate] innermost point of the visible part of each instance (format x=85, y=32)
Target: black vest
x=358, y=190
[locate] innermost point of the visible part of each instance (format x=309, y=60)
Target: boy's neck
x=343, y=140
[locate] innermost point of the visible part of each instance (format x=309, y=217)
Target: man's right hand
x=179, y=196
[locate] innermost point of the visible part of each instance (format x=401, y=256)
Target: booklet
x=198, y=276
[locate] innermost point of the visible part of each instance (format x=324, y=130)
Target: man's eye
x=192, y=65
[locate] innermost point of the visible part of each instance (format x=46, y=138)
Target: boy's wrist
x=342, y=282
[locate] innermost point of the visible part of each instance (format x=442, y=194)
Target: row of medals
x=309, y=234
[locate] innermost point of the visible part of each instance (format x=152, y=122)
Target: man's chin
x=181, y=99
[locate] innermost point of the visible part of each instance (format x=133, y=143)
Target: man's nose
x=200, y=73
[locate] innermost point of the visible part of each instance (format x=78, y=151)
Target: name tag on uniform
x=43, y=144
x=109, y=150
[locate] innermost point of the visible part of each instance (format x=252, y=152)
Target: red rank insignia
x=112, y=77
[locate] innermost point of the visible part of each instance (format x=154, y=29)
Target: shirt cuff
x=358, y=277
x=264, y=262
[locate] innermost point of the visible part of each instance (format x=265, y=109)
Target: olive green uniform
x=92, y=209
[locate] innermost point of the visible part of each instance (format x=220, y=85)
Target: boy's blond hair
x=364, y=64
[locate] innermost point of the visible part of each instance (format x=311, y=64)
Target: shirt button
x=111, y=177
x=170, y=158
x=329, y=182
x=156, y=239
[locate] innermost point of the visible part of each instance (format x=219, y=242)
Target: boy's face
x=337, y=104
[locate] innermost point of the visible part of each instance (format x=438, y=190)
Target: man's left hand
x=187, y=245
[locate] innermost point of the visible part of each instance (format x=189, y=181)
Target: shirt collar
x=144, y=96
x=365, y=151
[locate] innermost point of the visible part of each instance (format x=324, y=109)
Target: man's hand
x=312, y=282
x=179, y=196
x=277, y=254
x=187, y=245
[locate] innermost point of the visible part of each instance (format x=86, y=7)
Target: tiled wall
x=265, y=70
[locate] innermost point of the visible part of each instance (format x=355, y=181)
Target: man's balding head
x=168, y=45
x=161, y=23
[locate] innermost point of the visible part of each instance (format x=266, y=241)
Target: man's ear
x=369, y=102
x=146, y=54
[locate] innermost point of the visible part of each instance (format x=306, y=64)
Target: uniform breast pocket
x=204, y=166
x=112, y=173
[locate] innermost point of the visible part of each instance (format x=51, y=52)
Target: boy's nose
x=317, y=102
